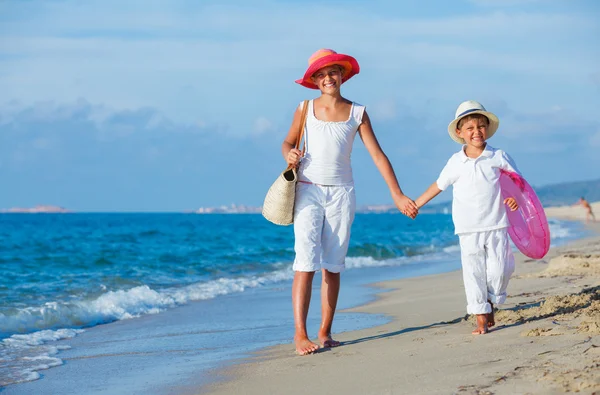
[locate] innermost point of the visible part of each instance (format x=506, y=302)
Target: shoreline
x=156, y=341
x=429, y=337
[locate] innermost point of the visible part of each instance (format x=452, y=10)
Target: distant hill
x=443, y=207
x=569, y=192
x=36, y=209
x=566, y=193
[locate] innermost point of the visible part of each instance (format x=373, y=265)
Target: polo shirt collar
x=487, y=153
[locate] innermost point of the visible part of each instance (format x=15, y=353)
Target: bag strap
x=302, y=125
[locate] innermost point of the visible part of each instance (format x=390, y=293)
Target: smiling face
x=473, y=129
x=328, y=79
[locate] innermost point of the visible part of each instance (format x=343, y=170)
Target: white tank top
x=329, y=147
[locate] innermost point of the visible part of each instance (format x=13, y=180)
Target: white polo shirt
x=477, y=204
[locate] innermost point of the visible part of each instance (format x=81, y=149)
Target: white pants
x=487, y=263
x=323, y=217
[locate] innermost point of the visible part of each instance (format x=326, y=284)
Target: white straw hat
x=470, y=107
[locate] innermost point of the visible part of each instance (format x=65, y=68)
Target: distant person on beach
x=589, y=213
x=478, y=211
x=325, y=199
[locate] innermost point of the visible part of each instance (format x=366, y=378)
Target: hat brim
x=493, y=126
x=350, y=65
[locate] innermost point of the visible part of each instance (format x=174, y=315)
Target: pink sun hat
x=327, y=57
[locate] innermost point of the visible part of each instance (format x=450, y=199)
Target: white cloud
x=595, y=139
x=202, y=61
x=178, y=171
x=595, y=78
x=118, y=163
x=505, y=3
x=557, y=131
x=153, y=153
x=263, y=125
x=383, y=110
x=42, y=143
x=226, y=38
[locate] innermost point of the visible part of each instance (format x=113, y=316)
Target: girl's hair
x=472, y=116
x=342, y=69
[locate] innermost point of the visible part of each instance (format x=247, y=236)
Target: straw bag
x=279, y=202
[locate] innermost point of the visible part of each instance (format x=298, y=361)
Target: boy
x=479, y=217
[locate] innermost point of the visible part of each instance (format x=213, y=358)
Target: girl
x=325, y=200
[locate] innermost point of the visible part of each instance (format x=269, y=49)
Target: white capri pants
x=487, y=263
x=323, y=217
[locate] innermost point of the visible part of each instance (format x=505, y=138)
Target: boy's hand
x=406, y=206
x=511, y=203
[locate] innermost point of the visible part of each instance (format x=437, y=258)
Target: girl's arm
x=429, y=194
x=404, y=204
x=288, y=148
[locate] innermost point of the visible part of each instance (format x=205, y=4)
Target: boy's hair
x=472, y=116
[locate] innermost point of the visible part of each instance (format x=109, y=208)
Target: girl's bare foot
x=482, y=325
x=327, y=341
x=304, y=346
x=490, y=316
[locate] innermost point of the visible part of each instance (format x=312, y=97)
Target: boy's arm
x=448, y=176
x=403, y=202
x=509, y=164
x=429, y=194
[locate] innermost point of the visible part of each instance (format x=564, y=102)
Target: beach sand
x=546, y=339
x=576, y=213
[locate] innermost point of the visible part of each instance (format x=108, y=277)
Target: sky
x=172, y=105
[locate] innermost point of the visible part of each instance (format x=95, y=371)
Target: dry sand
x=573, y=212
x=546, y=341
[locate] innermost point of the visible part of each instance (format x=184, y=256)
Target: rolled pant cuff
x=497, y=299
x=303, y=267
x=483, y=308
x=333, y=268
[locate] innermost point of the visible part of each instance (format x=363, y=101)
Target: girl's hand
x=293, y=157
x=511, y=203
x=406, y=206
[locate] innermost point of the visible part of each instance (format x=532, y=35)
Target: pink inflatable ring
x=528, y=224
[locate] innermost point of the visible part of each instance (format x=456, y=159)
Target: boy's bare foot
x=482, y=325
x=304, y=346
x=327, y=341
x=490, y=316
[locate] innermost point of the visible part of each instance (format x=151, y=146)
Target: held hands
x=293, y=157
x=511, y=203
x=406, y=206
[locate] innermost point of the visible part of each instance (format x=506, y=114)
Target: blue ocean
x=78, y=289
